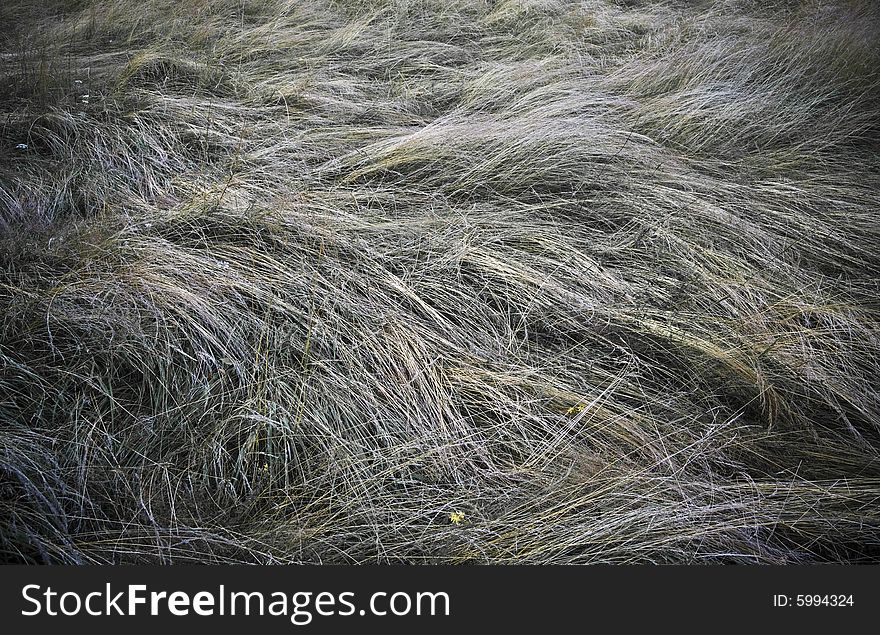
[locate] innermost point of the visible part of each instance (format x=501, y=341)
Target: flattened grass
x=305, y=281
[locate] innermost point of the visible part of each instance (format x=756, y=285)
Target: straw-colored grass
x=513, y=281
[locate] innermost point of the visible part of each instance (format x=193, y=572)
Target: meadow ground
x=523, y=281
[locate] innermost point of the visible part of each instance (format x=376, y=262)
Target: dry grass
x=290, y=281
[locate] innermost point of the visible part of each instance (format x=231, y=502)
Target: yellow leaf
x=576, y=409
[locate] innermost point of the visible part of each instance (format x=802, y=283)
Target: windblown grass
x=292, y=281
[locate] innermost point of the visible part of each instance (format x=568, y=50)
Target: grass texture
x=424, y=281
